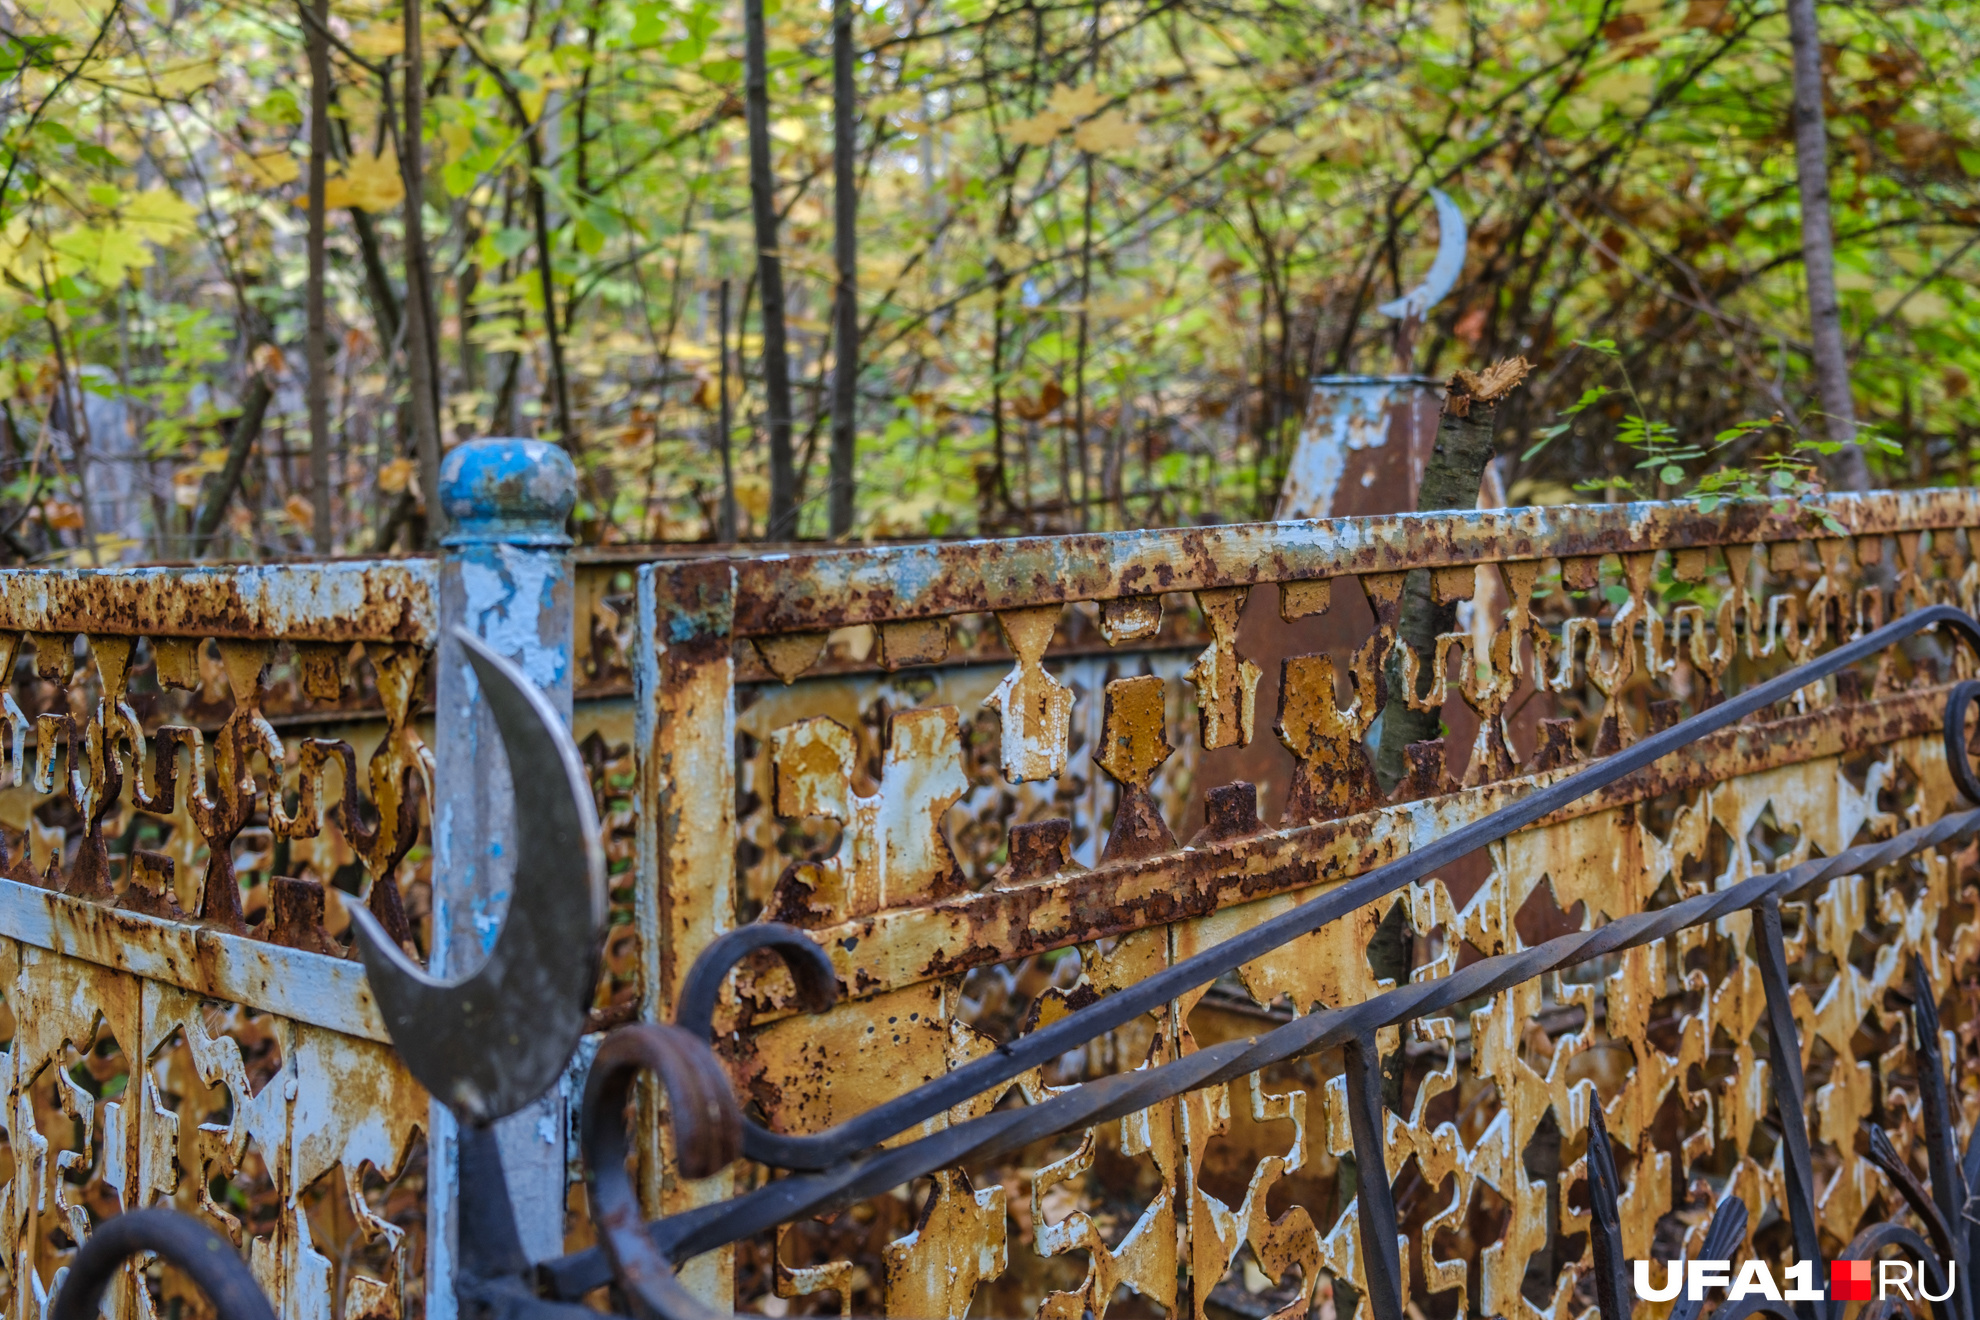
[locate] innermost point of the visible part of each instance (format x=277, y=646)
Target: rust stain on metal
x=1036, y=709
x=330, y=602
x=1335, y=776
x=832, y=588
x=1226, y=683
x=942, y=939
x=914, y=642
x=1134, y=743
x=1130, y=619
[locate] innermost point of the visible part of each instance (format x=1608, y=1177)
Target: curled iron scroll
x=205, y=1257
x=492, y=1041
x=707, y=1137
x=818, y=989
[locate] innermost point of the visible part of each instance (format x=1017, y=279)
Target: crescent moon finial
x=1444, y=270
x=490, y=1042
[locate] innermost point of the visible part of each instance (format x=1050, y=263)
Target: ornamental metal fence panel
x=1016, y=796
x=986, y=846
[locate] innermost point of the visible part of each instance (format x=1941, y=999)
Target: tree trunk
x=1450, y=481
x=240, y=443
x=1845, y=469
x=546, y=274
x=770, y=274
x=724, y=423
x=845, y=244
x=420, y=363
x=317, y=348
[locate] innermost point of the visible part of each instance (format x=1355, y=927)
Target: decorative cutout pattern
x=1235, y=1198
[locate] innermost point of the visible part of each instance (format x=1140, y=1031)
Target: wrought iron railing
x=461, y=1040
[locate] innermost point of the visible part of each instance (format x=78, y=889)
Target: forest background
x=264, y=263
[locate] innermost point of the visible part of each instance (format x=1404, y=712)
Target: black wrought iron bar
x=1374, y=1199
x=1949, y=1185
x=1012, y=1059
x=1002, y=1132
x=1784, y=1052
x=1722, y=1238
x=1614, y=1297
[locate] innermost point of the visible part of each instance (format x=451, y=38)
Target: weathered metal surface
x=1363, y=447
x=353, y=601
x=1622, y=617
x=504, y=578
x=809, y=739
x=131, y=881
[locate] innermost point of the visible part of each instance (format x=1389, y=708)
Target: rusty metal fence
x=995, y=781
x=831, y=802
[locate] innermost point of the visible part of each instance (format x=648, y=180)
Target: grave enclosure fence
x=1226, y=1028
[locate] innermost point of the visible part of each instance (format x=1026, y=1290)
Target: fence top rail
x=834, y=588
x=336, y=601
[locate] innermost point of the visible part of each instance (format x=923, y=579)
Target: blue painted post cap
x=507, y=490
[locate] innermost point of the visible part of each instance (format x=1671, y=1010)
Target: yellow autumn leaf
x=753, y=494
x=1277, y=142
x=1925, y=308
x=394, y=476
x=158, y=215
x=1039, y=129
x=1627, y=89
x=1112, y=131
x=1450, y=22
x=105, y=253
x=1076, y=102
x=1124, y=306
x=366, y=183
x=790, y=131
x=299, y=511
x=458, y=138
x=378, y=40
x=271, y=169
x=1015, y=256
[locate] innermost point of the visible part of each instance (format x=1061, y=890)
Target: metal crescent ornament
x=1442, y=276
x=490, y=1042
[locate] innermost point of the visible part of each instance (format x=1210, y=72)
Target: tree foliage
x=1103, y=248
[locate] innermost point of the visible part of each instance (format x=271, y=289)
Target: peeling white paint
x=1345, y=415
x=507, y=599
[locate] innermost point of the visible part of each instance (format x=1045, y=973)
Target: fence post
x=505, y=576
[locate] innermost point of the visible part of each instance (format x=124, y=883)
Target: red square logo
x=1849, y=1280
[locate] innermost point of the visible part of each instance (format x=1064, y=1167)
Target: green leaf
x=649, y=24
x=279, y=107
x=1671, y=475
x=1593, y=394
x=1732, y=433
x=511, y=242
